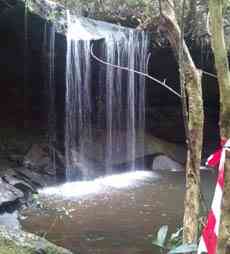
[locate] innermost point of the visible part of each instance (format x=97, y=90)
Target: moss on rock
x=9, y=247
x=20, y=242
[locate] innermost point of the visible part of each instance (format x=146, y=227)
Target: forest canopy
x=143, y=14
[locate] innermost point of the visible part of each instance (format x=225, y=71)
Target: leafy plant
x=161, y=236
x=172, y=244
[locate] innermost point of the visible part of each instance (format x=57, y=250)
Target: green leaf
x=161, y=236
x=35, y=196
x=176, y=234
x=184, y=248
x=175, y=239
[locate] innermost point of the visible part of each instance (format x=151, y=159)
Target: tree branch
x=137, y=72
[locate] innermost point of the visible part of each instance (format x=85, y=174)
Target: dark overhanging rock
x=44, y=11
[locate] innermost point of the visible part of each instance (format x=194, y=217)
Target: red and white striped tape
x=208, y=241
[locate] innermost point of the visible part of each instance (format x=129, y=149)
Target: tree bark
x=195, y=132
x=169, y=26
x=222, y=66
x=221, y=62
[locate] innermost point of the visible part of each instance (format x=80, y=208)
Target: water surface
x=113, y=215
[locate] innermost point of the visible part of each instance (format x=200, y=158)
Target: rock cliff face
x=24, y=76
x=24, y=66
x=24, y=97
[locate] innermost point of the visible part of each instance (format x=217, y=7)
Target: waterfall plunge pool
x=116, y=214
x=74, y=190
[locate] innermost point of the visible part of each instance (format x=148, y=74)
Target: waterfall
x=49, y=64
x=78, y=125
x=142, y=59
x=131, y=126
x=128, y=49
x=119, y=111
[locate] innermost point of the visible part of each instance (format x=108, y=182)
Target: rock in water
x=161, y=162
x=19, y=184
x=39, y=180
x=9, y=193
x=37, y=157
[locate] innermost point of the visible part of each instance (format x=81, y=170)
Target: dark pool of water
x=113, y=216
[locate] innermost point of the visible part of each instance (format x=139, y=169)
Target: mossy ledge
x=20, y=242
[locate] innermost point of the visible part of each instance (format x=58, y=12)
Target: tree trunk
x=169, y=25
x=221, y=62
x=195, y=132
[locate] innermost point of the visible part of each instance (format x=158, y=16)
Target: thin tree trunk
x=221, y=62
x=169, y=25
x=222, y=66
x=195, y=132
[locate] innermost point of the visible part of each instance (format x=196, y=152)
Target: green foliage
x=103, y=9
x=35, y=201
x=226, y=3
x=172, y=244
x=9, y=247
x=29, y=5
x=175, y=239
x=161, y=236
x=226, y=10
x=135, y=3
x=55, y=14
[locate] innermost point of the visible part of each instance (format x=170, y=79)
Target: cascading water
x=125, y=95
x=120, y=110
x=142, y=60
x=131, y=126
x=78, y=126
x=49, y=63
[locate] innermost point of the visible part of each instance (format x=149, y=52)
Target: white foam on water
x=82, y=188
